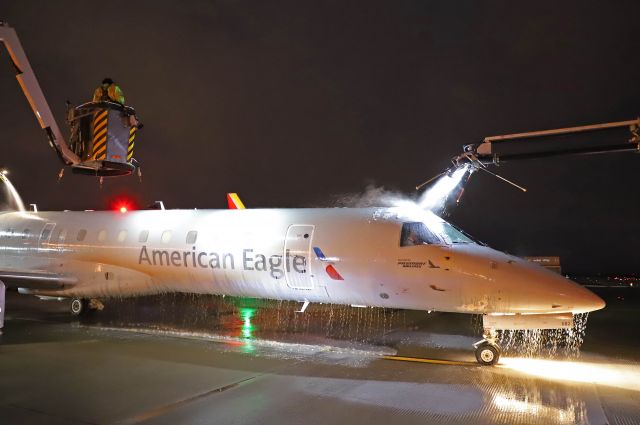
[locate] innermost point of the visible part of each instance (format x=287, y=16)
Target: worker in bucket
x=108, y=91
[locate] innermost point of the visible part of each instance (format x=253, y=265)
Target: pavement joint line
x=27, y=319
x=431, y=361
x=49, y=415
x=169, y=407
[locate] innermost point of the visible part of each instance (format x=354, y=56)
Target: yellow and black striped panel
x=100, y=121
x=132, y=136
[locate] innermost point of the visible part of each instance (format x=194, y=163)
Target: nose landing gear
x=487, y=350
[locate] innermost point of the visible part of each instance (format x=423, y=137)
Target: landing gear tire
x=487, y=353
x=78, y=306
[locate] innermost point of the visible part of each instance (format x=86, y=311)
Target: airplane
x=392, y=257
x=399, y=257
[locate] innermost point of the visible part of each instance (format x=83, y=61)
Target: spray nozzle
x=524, y=189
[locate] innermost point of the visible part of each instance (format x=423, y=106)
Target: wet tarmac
x=207, y=360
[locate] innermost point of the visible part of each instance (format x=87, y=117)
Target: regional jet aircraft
x=375, y=257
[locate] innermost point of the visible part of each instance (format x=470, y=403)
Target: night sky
x=292, y=103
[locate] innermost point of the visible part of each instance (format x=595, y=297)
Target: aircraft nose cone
x=587, y=301
x=518, y=286
x=543, y=291
x=565, y=295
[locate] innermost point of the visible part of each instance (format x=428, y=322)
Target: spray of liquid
x=550, y=343
x=435, y=198
x=11, y=193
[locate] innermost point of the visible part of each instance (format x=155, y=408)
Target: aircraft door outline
x=297, y=243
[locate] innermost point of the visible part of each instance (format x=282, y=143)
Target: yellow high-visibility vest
x=110, y=92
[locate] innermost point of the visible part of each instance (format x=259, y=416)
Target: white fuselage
x=338, y=255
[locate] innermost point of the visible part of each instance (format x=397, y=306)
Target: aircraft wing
x=35, y=280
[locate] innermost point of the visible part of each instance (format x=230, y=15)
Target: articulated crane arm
x=32, y=91
x=102, y=132
x=488, y=151
x=495, y=150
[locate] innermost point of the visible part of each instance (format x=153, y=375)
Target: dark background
x=291, y=103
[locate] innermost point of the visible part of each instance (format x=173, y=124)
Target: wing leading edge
x=36, y=280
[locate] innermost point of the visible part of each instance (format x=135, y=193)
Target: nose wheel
x=487, y=350
x=487, y=353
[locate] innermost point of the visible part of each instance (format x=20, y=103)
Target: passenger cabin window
x=417, y=234
x=26, y=233
x=191, y=237
x=63, y=236
x=81, y=235
x=45, y=234
x=144, y=235
x=166, y=236
x=102, y=236
x=122, y=235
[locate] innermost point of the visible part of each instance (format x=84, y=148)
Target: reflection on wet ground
x=248, y=318
x=253, y=361
x=247, y=321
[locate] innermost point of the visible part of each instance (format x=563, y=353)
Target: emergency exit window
x=191, y=237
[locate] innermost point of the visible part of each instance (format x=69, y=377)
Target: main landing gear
x=487, y=350
x=80, y=306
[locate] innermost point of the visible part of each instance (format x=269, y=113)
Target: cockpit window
x=417, y=234
x=454, y=235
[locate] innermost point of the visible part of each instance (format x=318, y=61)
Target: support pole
x=3, y=292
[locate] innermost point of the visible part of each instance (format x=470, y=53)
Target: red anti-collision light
x=122, y=205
